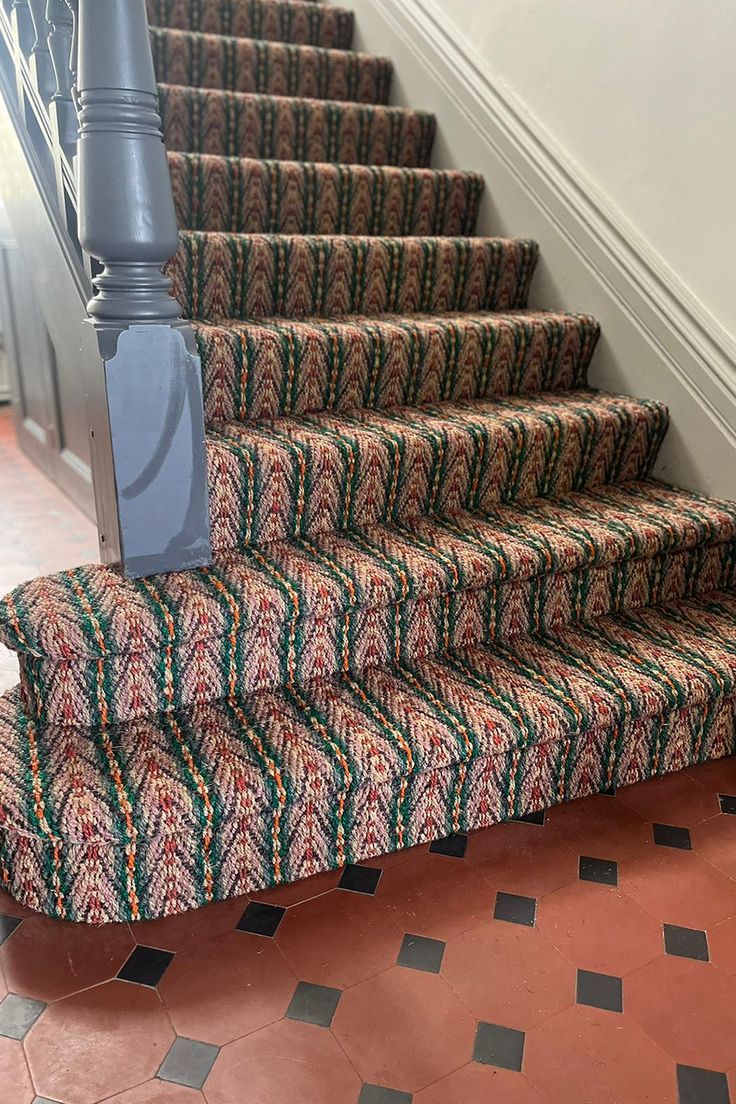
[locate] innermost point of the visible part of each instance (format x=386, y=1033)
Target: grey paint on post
x=154, y=393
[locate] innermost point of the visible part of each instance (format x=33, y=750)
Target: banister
x=145, y=410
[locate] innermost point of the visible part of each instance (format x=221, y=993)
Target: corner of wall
x=658, y=340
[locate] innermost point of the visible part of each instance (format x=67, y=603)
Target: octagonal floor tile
x=99, y=1042
x=190, y=929
x=522, y=858
x=678, y=887
x=47, y=959
x=715, y=841
x=339, y=939
x=599, y=928
x=285, y=1063
x=508, y=974
x=226, y=988
x=584, y=1055
x=599, y=826
x=670, y=799
x=718, y=775
x=435, y=896
x=15, y=1081
x=478, y=1084
x=687, y=1008
x=404, y=1028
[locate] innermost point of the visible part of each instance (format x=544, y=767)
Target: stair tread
x=94, y=611
x=275, y=20
x=249, y=124
x=377, y=729
x=302, y=476
x=275, y=68
x=294, y=366
x=302, y=275
x=256, y=195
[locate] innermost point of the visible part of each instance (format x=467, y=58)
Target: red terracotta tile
x=586, y=1056
x=189, y=929
x=521, y=858
x=687, y=1008
x=286, y=1063
x=478, y=1084
x=297, y=892
x=678, y=887
x=600, y=827
x=404, y=1029
x=396, y=858
x=599, y=928
x=87, y=1047
x=722, y=945
x=47, y=959
x=508, y=974
x=718, y=775
x=670, y=799
x=435, y=896
x=227, y=987
x=15, y=1080
x=715, y=841
x=157, y=1092
x=339, y=939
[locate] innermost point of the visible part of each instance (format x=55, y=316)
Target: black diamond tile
x=43, y=1100
x=453, y=846
x=360, y=879
x=188, y=1063
x=701, y=1086
x=728, y=803
x=515, y=909
x=499, y=1046
x=314, y=1004
x=419, y=953
x=532, y=818
x=146, y=966
x=669, y=835
x=8, y=924
x=18, y=1015
x=376, y=1094
x=609, y=792
x=259, y=919
x=600, y=991
x=604, y=871
x=686, y=942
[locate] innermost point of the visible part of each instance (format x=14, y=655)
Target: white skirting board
x=658, y=340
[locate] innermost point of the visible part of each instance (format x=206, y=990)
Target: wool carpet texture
x=446, y=591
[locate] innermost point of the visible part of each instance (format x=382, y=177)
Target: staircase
x=446, y=590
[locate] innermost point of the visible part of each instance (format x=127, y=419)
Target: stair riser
x=102, y=882
x=294, y=130
x=262, y=371
x=264, y=197
x=308, y=25
x=273, y=68
x=253, y=652
x=265, y=486
x=217, y=276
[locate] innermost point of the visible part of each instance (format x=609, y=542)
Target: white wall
x=641, y=94
x=604, y=131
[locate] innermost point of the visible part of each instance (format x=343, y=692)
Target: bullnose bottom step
x=177, y=810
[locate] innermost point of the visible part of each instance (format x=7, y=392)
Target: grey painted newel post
x=148, y=442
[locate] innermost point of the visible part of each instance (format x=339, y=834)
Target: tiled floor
x=587, y=957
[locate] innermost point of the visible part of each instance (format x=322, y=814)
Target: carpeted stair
x=446, y=590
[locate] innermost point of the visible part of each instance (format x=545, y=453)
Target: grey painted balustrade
x=144, y=408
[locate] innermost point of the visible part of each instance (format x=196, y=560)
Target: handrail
x=111, y=180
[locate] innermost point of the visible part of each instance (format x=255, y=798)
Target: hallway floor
x=584, y=957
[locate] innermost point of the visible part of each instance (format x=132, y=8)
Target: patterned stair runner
x=446, y=591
